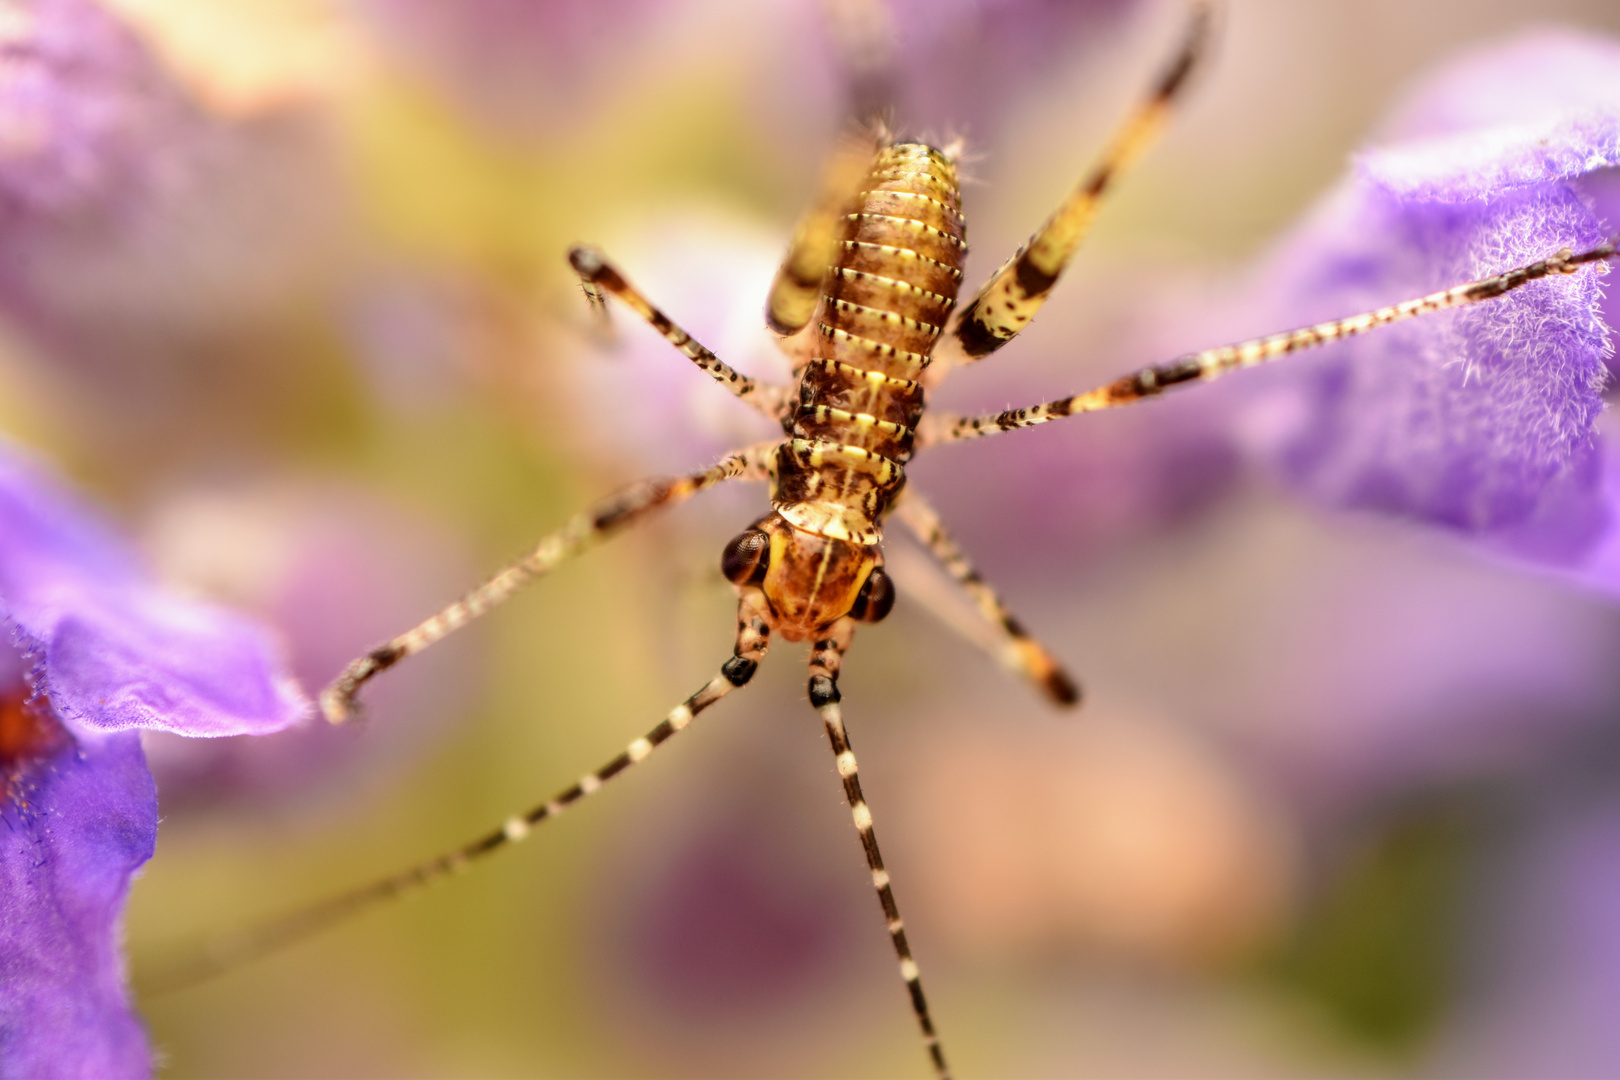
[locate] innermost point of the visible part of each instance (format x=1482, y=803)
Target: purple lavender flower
x=1482, y=419
x=94, y=650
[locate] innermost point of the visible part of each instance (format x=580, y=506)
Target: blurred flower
x=529, y=65
x=729, y=915
x=83, y=103
x=416, y=335
x=1538, y=997
x=335, y=570
x=253, y=56
x=1133, y=842
x=519, y=63
x=96, y=650
x=142, y=231
x=946, y=67
x=731, y=922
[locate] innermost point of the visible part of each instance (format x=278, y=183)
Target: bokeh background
x=294, y=303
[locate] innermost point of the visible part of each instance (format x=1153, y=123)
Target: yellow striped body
x=885, y=300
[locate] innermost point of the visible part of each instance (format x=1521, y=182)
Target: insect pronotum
x=865, y=305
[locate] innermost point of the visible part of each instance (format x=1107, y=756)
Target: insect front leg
x=600, y=277
x=826, y=658
x=1009, y=300
x=219, y=956
x=583, y=531
x=1202, y=366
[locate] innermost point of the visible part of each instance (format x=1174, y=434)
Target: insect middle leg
x=826, y=659
x=1019, y=653
x=583, y=531
x=1009, y=300
x=1202, y=366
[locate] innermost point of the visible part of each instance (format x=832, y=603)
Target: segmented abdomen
x=892, y=284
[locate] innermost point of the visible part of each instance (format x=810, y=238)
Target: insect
x=866, y=305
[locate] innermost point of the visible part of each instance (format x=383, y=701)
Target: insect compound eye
x=876, y=598
x=746, y=557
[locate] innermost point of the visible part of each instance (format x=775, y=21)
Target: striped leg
x=753, y=638
x=601, y=320
x=825, y=660
x=1010, y=299
x=1018, y=652
x=599, y=276
x=796, y=289
x=1194, y=367
x=584, y=530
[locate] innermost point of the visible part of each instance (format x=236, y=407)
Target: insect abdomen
x=884, y=302
x=897, y=270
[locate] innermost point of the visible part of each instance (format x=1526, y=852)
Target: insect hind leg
x=826, y=658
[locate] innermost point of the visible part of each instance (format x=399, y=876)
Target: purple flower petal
x=118, y=652
x=74, y=828
x=1477, y=419
x=169, y=665
x=94, y=648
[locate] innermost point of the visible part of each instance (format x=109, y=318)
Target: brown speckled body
x=885, y=300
